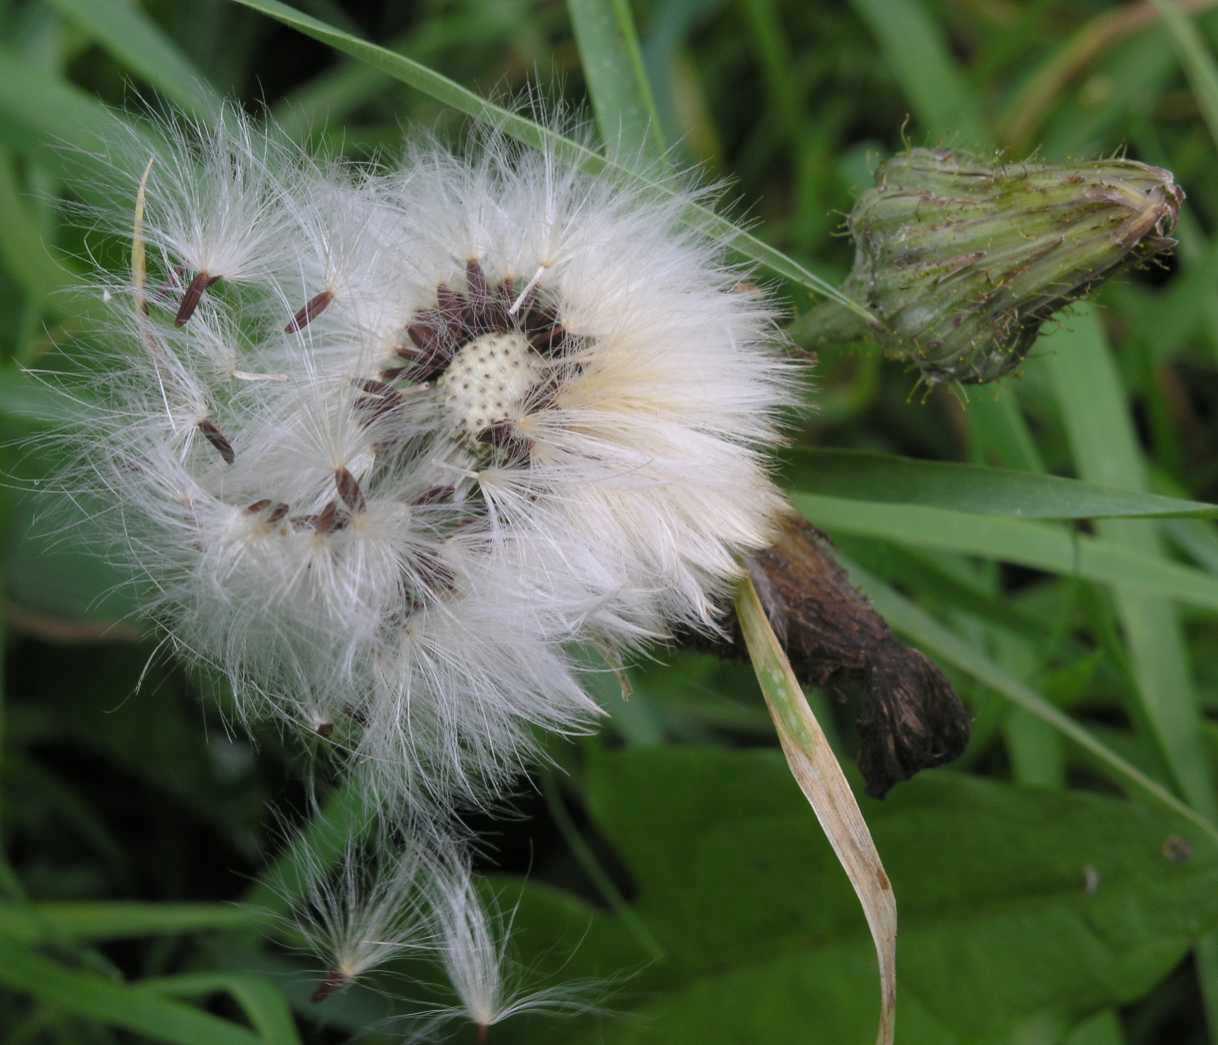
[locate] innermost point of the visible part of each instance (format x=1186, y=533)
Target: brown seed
x=380, y=399
x=547, y=340
x=434, y=495
x=328, y=519
x=475, y=280
x=218, y=440
x=376, y=388
x=190, y=299
x=501, y=436
x=425, y=332
x=313, y=308
x=349, y=490
x=451, y=303
x=259, y=506
x=278, y=512
x=334, y=981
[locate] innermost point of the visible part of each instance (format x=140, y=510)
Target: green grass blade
x=139, y=44
x=330, y=96
x=1105, y=448
x=617, y=81
x=934, y=638
x=113, y=1003
x=264, y=1005
x=1197, y=59
x=774, y=54
x=1105, y=445
x=1041, y=546
x=118, y=920
x=920, y=60
x=319, y=844
x=38, y=108
x=452, y=94
x=883, y=478
x=23, y=254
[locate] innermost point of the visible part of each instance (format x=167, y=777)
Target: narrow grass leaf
x=819, y=776
x=1038, y=545
x=617, y=81
x=23, y=253
x=263, y=1004
x=119, y=920
x=38, y=108
x=884, y=478
x=452, y=94
x=319, y=844
x=934, y=638
x=138, y=43
x=1105, y=446
x=113, y=1003
x=918, y=56
x=1197, y=57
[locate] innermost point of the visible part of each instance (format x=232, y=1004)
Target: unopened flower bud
x=961, y=260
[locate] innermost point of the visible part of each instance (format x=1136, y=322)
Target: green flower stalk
x=961, y=261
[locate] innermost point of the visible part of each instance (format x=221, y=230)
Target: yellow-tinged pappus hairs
x=387, y=444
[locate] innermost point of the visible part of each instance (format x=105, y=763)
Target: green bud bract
x=961, y=260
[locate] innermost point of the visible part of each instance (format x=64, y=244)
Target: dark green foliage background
x=1047, y=895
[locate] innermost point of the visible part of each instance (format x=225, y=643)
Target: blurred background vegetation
x=1046, y=894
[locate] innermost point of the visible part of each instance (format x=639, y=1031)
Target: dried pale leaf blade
x=819, y=776
x=139, y=264
x=906, y=713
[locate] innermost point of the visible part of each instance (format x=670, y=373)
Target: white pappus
x=388, y=444
x=472, y=940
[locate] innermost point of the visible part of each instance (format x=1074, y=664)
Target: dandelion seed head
x=389, y=446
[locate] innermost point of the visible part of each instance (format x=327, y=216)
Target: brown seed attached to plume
x=192, y=296
x=349, y=490
x=217, y=439
x=308, y=312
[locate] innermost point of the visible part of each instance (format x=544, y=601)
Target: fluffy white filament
x=393, y=449
x=472, y=942
x=321, y=514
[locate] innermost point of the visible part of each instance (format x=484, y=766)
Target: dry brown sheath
x=906, y=713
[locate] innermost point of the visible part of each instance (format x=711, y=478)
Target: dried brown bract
x=907, y=715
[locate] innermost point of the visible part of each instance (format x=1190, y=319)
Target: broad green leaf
x=883, y=478
x=452, y=94
x=1039, y=545
x=765, y=943
x=112, y=1002
x=140, y=45
x=264, y=1005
